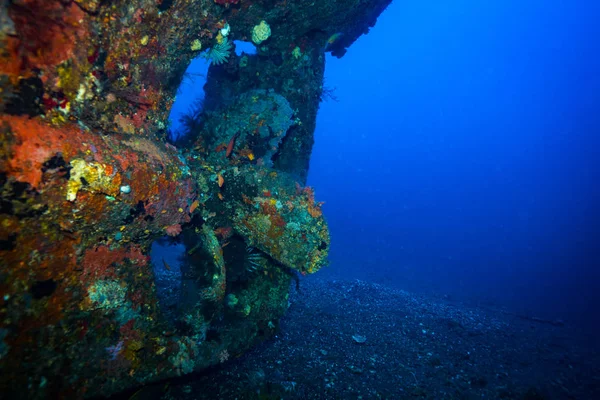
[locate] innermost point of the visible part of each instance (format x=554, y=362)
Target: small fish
x=332, y=39
x=224, y=232
x=231, y=145
x=166, y=265
x=194, y=205
x=193, y=249
x=220, y=180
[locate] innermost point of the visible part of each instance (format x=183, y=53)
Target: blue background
x=462, y=156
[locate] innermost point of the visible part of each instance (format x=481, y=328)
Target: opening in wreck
x=185, y=117
x=181, y=265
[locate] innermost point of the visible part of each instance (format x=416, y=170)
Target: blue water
x=461, y=157
x=463, y=154
x=191, y=89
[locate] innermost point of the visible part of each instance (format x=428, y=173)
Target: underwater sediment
x=89, y=181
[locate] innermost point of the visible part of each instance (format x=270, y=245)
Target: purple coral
x=115, y=350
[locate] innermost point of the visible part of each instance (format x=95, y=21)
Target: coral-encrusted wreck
x=88, y=181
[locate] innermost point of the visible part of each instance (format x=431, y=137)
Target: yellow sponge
x=261, y=32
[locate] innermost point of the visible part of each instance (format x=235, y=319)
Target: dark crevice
x=42, y=289
x=10, y=243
